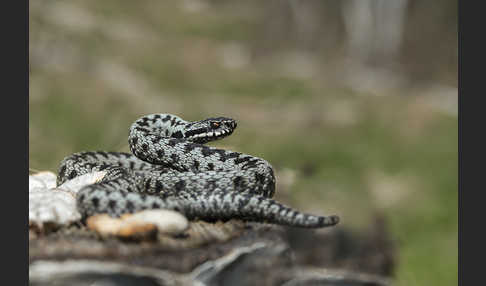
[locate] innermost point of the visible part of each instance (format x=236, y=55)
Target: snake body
x=171, y=168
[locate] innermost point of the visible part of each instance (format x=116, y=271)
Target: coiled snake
x=171, y=169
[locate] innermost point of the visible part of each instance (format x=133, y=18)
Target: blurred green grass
x=353, y=154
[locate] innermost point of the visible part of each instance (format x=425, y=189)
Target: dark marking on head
x=211, y=166
x=174, y=157
x=189, y=133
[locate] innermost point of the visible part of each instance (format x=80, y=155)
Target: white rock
x=139, y=224
x=48, y=204
x=35, y=183
x=52, y=206
x=43, y=179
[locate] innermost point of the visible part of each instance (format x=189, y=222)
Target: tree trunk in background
x=417, y=39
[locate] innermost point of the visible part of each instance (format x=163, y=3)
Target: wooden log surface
x=220, y=253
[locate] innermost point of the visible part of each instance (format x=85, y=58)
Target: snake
x=170, y=167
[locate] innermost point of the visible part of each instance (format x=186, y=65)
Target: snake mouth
x=210, y=135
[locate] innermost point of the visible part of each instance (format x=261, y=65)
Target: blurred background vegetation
x=353, y=102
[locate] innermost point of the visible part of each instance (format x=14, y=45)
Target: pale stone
x=52, y=206
x=167, y=221
x=57, y=206
x=139, y=224
x=44, y=179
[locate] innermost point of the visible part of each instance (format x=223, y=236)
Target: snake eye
x=214, y=125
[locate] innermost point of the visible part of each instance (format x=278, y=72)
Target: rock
x=92, y=272
x=43, y=179
x=331, y=277
x=140, y=224
x=193, y=253
x=247, y=254
x=255, y=259
x=105, y=225
x=51, y=207
x=54, y=207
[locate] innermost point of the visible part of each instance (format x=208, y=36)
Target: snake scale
x=171, y=168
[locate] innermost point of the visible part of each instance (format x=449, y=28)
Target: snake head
x=209, y=129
